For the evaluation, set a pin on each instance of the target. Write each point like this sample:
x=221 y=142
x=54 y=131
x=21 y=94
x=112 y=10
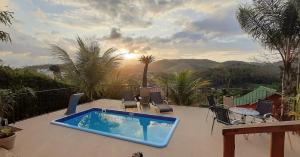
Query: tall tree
x=6 y=18
x=90 y=67
x=276 y=25
x=146 y=60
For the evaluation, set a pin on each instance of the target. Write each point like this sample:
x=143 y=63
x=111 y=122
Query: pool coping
x=153 y=144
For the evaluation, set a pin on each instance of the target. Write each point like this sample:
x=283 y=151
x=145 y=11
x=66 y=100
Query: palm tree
x=89 y=68
x=276 y=25
x=183 y=87
x=146 y=60
x=6 y=19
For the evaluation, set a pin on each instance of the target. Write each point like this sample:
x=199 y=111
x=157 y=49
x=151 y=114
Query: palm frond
x=91 y=67
x=5 y=37
x=6 y=17
x=62 y=55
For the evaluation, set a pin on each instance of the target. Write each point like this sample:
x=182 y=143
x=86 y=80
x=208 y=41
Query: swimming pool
x=152 y=130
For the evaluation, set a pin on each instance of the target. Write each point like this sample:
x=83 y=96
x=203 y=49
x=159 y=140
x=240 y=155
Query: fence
x=28 y=105
x=47 y=101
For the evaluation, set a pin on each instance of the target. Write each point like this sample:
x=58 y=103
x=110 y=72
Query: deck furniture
x=211 y=105
x=158 y=103
x=244 y=112
x=222 y=116
x=74 y=99
x=145 y=103
x=129 y=100
x=264 y=107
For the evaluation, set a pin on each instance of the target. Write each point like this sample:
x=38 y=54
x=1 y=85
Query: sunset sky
x=167 y=29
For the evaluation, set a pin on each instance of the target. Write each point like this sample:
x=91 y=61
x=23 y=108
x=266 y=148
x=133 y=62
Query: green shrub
x=19 y=78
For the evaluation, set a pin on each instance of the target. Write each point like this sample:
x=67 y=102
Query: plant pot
x=8 y=142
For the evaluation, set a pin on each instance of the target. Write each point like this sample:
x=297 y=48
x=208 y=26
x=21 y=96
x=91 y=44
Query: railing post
x=277 y=144
x=229 y=145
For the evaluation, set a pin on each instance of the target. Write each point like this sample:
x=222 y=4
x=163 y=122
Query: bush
x=19 y=78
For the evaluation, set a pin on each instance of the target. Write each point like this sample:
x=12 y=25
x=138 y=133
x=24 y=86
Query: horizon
x=195 y=30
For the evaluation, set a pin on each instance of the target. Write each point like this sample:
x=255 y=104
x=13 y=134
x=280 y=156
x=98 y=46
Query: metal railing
x=28 y=105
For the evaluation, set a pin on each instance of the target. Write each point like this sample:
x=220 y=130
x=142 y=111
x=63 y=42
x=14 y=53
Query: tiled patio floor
x=191 y=138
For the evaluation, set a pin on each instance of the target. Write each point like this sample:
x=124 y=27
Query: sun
x=127 y=55
x=130 y=56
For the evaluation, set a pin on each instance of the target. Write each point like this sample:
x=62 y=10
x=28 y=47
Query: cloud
x=123 y=13
x=163 y=28
x=115 y=33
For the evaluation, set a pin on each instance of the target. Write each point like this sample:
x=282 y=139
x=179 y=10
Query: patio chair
x=222 y=116
x=129 y=100
x=211 y=105
x=74 y=99
x=159 y=104
x=264 y=107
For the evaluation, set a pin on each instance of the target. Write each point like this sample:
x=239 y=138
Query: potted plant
x=6 y=105
x=7 y=138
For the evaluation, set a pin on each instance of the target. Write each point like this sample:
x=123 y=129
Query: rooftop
x=191 y=138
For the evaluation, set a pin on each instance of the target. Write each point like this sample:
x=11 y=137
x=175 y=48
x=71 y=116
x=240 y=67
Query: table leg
x=243 y=119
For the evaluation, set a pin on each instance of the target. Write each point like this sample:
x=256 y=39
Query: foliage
x=17 y=89
x=295 y=102
x=146 y=60
x=6 y=103
x=239 y=76
x=6 y=19
x=114 y=87
x=90 y=67
x=56 y=71
x=6 y=132
x=183 y=86
x=275 y=24
x=19 y=78
x=9 y=101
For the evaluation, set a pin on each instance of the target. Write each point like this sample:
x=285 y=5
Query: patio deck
x=191 y=138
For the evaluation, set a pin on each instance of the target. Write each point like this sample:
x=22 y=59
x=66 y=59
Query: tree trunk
x=287 y=89
x=144 y=84
x=298 y=71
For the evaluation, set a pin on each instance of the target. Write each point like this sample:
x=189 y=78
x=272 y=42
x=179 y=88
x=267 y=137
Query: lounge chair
x=222 y=116
x=264 y=107
x=159 y=104
x=129 y=100
x=74 y=99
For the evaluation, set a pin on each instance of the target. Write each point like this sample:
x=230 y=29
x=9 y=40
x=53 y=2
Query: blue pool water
x=146 y=129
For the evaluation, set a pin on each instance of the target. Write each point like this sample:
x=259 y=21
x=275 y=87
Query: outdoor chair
x=159 y=104
x=222 y=116
x=74 y=99
x=264 y=107
x=129 y=100
x=211 y=104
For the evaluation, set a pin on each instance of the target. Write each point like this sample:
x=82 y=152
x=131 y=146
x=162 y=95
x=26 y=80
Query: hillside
x=176 y=65
x=197 y=65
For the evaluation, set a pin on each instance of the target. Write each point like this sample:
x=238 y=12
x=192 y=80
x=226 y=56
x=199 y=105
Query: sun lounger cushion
x=130 y=104
x=164 y=108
